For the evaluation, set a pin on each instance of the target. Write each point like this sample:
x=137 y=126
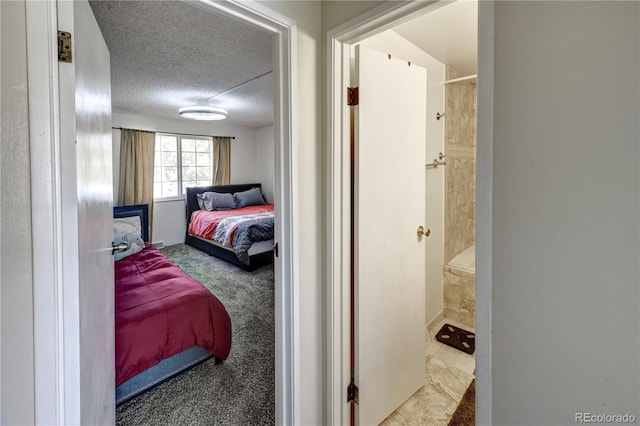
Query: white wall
x=306 y=178
x=169 y=217
x=265 y=160
x=393 y=43
x=566 y=300
x=16 y=276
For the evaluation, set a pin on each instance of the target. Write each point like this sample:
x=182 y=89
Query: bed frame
x=191 y=199
x=169 y=367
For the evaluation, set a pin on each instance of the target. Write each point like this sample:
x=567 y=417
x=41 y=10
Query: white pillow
x=127 y=224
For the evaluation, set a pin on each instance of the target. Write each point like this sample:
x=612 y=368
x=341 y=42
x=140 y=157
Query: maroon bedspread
x=161 y=311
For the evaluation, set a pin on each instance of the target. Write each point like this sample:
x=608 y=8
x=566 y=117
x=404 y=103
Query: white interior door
x=87 y=203
x=390 y=257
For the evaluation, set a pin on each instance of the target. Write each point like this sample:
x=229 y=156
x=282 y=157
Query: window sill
x=168 y=200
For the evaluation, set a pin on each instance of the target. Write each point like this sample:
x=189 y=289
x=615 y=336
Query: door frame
x=339 y=41
x=46 y=217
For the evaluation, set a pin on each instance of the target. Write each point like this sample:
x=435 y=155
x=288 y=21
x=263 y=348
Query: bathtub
x=465 y=261
x=459 y=288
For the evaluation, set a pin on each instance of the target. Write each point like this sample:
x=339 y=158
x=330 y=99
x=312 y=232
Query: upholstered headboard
x=141 y=210
x=192 y=200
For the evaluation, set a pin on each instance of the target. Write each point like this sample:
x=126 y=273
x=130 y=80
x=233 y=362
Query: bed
x=254 y=234
x=165 y=320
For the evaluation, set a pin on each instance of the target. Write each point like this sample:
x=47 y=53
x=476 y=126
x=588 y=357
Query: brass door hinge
x=352 y=96
x=64 y=46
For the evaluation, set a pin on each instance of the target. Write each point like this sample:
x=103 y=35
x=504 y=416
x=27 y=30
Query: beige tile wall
x=460 y=171
x=460 y=196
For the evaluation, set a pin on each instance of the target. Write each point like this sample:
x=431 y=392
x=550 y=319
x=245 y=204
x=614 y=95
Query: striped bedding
x=236 y=229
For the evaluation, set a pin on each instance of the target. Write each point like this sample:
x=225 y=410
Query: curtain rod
x=174 y=133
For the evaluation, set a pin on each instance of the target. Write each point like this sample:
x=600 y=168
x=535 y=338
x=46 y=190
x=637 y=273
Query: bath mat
x=457 y=338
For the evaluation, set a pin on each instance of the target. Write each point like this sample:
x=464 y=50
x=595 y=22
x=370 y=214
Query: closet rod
x=173 y=133
x=455 y=80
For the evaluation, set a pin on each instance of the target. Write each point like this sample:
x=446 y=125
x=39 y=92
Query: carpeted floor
x=465 y=414
x=241 y=390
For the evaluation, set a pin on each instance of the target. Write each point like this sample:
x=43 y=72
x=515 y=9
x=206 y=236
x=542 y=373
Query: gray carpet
x=241 y=390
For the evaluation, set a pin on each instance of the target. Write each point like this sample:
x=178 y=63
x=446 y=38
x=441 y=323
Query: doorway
x=341 y=39
x=42 y=21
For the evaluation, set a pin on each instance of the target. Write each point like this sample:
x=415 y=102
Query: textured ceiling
x=169 y=54
x=449 y=34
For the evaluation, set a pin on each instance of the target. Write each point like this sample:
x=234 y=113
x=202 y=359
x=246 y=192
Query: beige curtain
x=137 y=150
x=221 y=160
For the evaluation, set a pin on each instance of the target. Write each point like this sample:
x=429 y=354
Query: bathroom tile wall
x=460 y=171
x=459 y=296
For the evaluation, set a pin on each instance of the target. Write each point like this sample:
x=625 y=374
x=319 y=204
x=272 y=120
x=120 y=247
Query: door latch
x=118 y=247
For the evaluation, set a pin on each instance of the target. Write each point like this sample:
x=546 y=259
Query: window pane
x=188 y=145
x=169 y=159
x=202 y=160
x=189 y=173
x=170 y=189
x=170 y=174
x=203 y=145
x=169 y=143
x=188 y=158
x=166 y=161
x=203 y=173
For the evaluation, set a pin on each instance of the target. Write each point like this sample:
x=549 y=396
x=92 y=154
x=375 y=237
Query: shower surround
x=460 y=199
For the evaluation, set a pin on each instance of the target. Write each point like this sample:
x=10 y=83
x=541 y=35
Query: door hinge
x=275 y=249
x=352 y=392
x=352 y=96
x=64 y=46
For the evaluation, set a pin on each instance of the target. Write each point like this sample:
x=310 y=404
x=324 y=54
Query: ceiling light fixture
x=204 y=111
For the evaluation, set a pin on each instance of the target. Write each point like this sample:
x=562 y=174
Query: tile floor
x=448 y=374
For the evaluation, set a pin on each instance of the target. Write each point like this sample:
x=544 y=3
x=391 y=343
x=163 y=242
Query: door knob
x=422 y=231
x=118 y=247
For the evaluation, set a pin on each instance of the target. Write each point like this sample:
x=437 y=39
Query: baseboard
x=431 y=329
x=434 y=325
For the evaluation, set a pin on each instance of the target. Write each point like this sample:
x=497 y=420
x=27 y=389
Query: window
x=180 y=162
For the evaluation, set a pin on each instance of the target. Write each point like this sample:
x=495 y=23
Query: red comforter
x=161 y=311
